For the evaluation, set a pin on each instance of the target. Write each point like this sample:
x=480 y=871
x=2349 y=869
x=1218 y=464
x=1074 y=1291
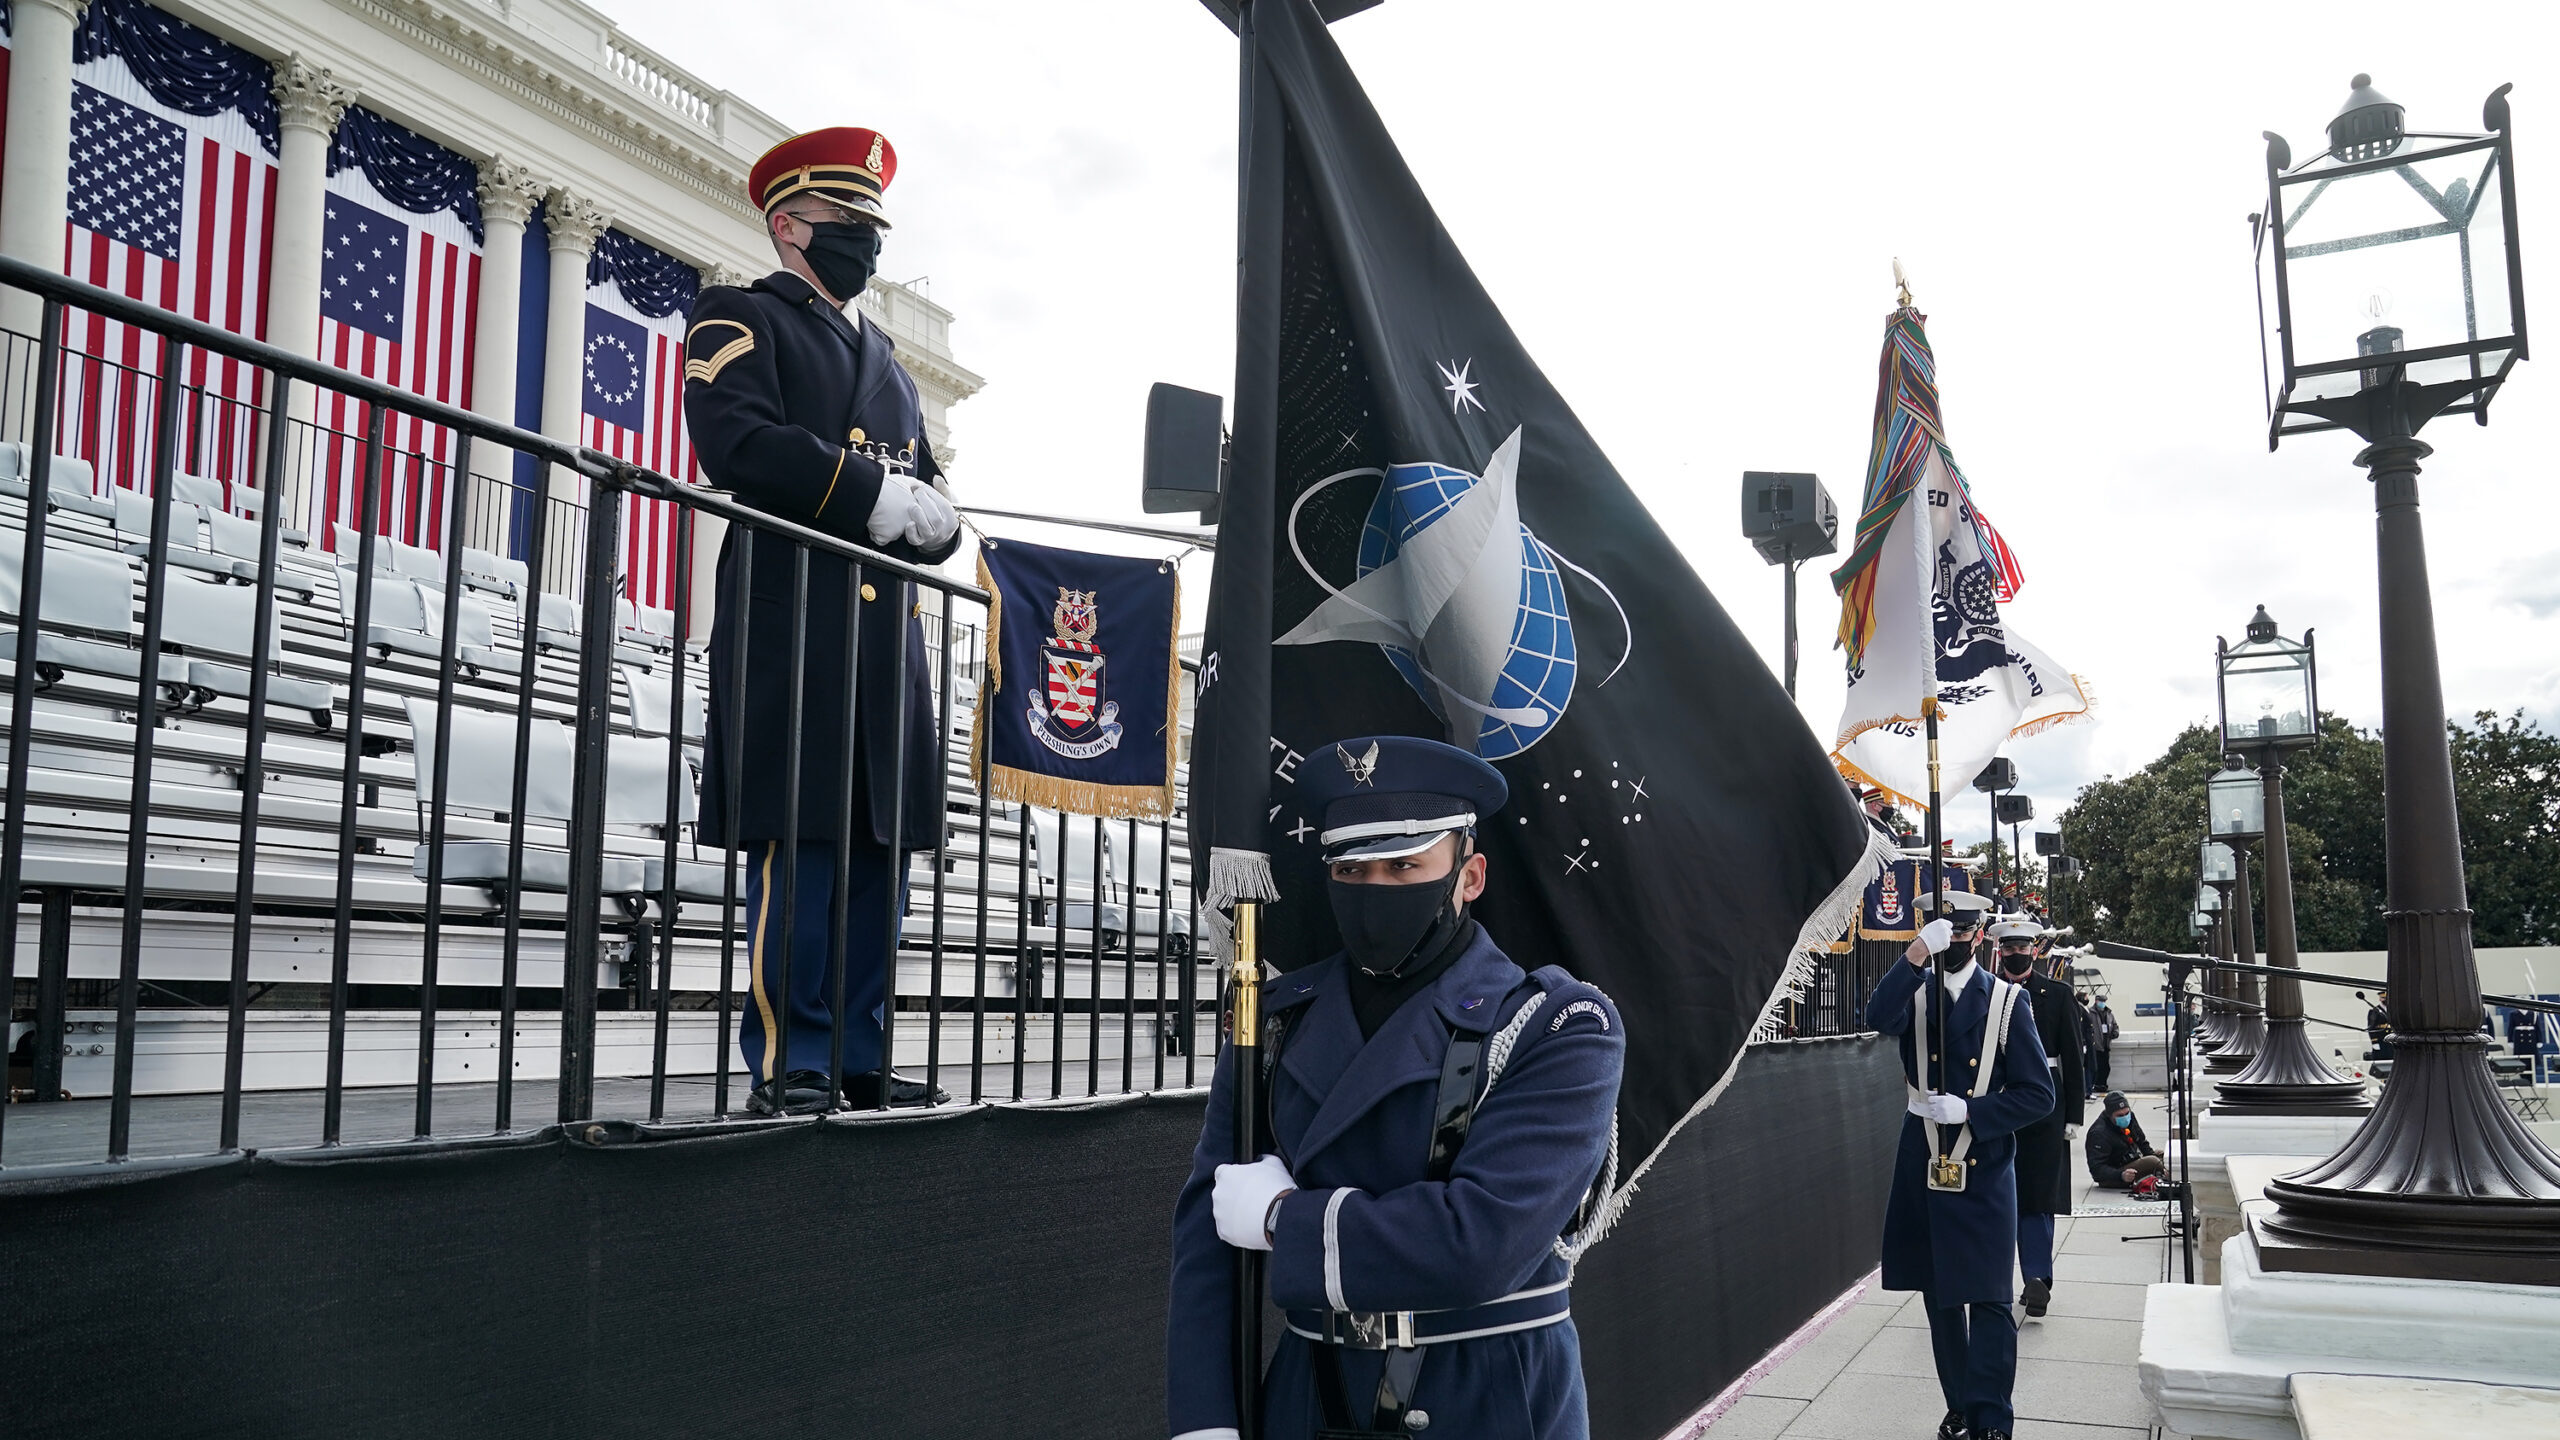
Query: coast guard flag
x=1920 y=601
x=1083 y=683
x=1419 y=538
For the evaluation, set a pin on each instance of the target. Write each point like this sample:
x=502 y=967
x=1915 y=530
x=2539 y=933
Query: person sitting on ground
x=2120 y=1155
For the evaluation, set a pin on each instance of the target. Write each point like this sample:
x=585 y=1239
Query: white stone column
x=309 y=103
x=508 y=193
x=35 y=174
x=575 y=224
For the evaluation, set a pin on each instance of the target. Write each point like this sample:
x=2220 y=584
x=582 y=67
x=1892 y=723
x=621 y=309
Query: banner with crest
x=1084 y=681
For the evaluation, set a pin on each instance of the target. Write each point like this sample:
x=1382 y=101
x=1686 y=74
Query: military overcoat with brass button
x=803 y=413
x=1958 y=1245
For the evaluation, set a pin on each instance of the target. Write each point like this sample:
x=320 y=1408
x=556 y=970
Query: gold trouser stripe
x=709 y=367
x=755 y=963
x=831 y=487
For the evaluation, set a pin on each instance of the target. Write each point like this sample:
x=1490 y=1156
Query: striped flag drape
x=399 y=285
x=172 y=201
x=633 y=394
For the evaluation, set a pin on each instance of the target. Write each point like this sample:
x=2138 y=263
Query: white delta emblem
x=1467 y=604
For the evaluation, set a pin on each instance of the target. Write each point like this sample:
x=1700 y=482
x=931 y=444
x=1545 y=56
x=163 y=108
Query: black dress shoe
x=863 y=1091
x=2038 y=1294
x=1952 y=1428
x=802 y=1092
x=1990 y=1435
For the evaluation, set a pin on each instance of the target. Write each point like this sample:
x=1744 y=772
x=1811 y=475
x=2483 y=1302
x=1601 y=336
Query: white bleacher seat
x=221 y=621
x=658 y=627
x=86 y=590
x=1066 y=866
x=133 y=528
x=398 y=619
x=351 y=543
x=414 y=561
x=649 y=704
x=485 y=571
x=73 y=484
x=556 y=623
x=480 y=776
x=236 y=538
x=198 y=490
x=477 y=643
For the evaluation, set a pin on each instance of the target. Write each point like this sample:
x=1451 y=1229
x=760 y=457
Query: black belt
x=1405 y=1336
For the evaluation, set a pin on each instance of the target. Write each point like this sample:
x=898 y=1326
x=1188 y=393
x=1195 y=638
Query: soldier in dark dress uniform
x=2046 y=1176
x=1425 y=1271
x=796 y=403
x=1973 y=1066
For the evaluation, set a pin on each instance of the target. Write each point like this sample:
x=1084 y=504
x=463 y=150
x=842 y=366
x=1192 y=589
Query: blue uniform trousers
x=811 y=998
x=1977 y=1352
x=2035 y=1246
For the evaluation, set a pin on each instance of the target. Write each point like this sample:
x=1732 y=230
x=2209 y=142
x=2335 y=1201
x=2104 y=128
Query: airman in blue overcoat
x=1426 y=1277
x=797 y=403
x=1951 y=1225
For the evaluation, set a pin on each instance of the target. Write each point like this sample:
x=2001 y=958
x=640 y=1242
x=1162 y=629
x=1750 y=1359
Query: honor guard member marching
x=1442 y=1121
x=1975 y=1071
x=2046 y=1176
x=796 y=403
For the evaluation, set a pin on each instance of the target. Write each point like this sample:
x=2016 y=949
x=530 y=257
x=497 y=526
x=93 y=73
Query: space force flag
x=1920 y=601
x=1083 y=681
x=1418 y=537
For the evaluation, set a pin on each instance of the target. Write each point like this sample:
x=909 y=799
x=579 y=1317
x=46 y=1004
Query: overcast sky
x=1689 y=213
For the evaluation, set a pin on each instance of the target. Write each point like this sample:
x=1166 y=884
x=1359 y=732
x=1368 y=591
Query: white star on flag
x=1462 y=391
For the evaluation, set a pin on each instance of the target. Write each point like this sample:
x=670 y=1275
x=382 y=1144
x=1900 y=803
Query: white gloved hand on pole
x=893 y=513
x=1947 y=1109
x=932 y=520
x=1938 y=935
x=1242 y=1200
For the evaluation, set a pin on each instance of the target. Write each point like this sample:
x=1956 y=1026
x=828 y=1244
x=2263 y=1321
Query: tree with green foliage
x=2137 y=836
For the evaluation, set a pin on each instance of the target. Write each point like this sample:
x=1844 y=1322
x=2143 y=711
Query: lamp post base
x=2248 y=1035
x=2442 y=1183
x=2288 y=1077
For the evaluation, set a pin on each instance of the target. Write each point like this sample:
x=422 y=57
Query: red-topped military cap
x=845 y=163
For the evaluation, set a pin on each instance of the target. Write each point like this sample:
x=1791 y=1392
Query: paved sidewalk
x=1868 y=1374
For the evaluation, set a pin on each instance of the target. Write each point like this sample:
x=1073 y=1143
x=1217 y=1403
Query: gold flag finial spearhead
x=1901 y=283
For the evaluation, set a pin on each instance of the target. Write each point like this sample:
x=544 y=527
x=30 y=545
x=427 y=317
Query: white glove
x=1937 y=935
x=1243 y=1197
x=893 y=513
x=1947 y=1109
x=932 y=520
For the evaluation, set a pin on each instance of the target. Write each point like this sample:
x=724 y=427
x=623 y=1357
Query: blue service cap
x=1381 y=796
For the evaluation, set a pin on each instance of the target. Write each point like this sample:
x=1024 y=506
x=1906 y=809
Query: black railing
x=359 y=842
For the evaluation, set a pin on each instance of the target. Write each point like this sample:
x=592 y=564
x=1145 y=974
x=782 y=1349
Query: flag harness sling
x=1947 y=1165
x=1463 y=1088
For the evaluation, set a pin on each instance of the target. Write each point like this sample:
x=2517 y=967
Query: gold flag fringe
x=1057 y=792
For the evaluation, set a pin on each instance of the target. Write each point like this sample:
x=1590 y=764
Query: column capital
x=723 y=275
x=508 y=191
x=72 y=9
x=310 y=97
x=576 y=222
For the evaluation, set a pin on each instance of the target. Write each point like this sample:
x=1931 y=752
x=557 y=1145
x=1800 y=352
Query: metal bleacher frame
x=412 y=770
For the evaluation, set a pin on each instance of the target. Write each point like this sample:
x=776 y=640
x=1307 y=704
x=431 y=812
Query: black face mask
x=843 y=255
x=2017 y=967
x=1388 y=927
x=1956 y=956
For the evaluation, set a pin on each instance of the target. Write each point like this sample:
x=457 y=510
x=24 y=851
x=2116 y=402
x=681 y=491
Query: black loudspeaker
x=2048 y=842
x=2065 y=866
x=2013 y=809
x=2000 y=774
x=1186 y=465
x=1785 y=514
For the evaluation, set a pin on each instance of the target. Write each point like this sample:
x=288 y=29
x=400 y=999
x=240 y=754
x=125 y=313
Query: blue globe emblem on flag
x=1465 y=600
x=1537 y=670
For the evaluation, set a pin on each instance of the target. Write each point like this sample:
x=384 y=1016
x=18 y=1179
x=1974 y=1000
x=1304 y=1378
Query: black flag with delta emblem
x=1418 y=537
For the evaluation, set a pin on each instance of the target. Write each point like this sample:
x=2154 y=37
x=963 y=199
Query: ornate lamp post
x=2399 y=296
x=2270 y=689
x=2235 y=815
x=2213 y=897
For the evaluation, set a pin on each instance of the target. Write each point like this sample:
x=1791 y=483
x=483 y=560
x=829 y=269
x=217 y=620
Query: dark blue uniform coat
x=1958 y=1246
x=1357 y=1117
x=801 y=412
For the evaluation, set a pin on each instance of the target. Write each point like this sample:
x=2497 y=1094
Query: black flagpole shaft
x=1245 y=1039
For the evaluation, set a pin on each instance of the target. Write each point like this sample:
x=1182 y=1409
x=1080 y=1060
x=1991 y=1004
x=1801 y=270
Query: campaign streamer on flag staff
x=1920 y=598
x=1084 y=681
x=1450 y=555
x=172 y=201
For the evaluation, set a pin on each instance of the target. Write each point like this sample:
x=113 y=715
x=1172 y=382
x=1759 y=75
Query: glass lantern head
x=2270 y=688
x=2198 y=922
x=2208 y=899
x=2218 y=863
x=2236 y=805
x=2388 y=243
